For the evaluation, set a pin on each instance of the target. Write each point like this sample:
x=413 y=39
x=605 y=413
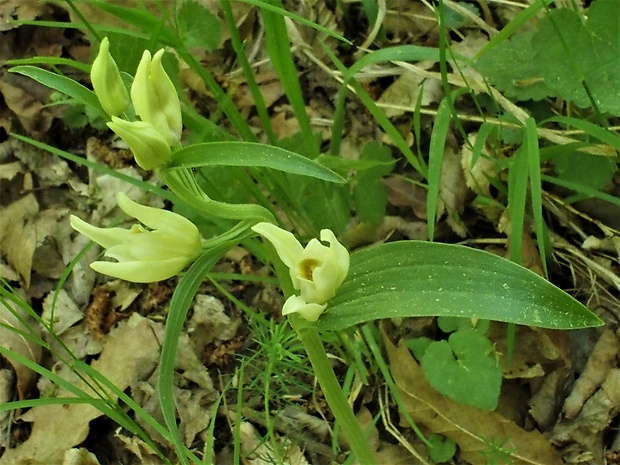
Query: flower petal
x=107 y=82
x=308 y=311
x=340 y=254
x=287 y=246
x=157 y=218
x=148 y=146
x=105 y=237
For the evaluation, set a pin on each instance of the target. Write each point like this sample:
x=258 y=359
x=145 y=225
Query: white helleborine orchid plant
x=143 y=255
x=316 y=271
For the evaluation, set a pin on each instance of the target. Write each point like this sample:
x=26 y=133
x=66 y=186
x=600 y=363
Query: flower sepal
x=148 y=146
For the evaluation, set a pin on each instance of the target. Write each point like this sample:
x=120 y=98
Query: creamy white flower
x=143 y=255
x=148 y=146
x=155 y=99
x=316 y=271
x=107 y=82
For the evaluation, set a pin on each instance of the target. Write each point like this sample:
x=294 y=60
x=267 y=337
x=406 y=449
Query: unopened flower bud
x=107 y=82
x=155 y=99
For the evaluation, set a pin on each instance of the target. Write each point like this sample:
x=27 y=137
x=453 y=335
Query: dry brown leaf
x=60 y=310
x=477 y=175
x=17 y=235
x=404 y=92
x=601 y=361
x=544 y=407
x=23 y=10
x=583 y=438
x=453 y=190
x=537 y=351
x=7 y=394
x=24 y=98
x=129 y=349
x=80 y=456
x=470 y=428
x=209 y=323
x=404 y=193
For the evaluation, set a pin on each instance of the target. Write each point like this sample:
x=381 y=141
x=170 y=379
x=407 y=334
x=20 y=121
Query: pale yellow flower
x=316 y=271
x=144 y=255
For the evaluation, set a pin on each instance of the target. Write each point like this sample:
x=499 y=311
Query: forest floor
x=560 y=397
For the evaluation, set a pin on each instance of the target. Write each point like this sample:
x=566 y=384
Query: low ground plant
x=229 y=187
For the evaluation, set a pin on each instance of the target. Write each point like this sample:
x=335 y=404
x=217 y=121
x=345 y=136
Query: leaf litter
x=37 y=191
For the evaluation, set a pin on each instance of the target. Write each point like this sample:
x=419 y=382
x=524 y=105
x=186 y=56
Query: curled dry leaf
x=583 y=438
x=453 y=190
x=17 y=236
x=601 y=362
x=16 y=319
x=472 y=429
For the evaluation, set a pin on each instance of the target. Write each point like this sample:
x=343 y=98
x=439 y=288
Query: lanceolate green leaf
x=412 y=278
x=62 y=84
x=250 y=154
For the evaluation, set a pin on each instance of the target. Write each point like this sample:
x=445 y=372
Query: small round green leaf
x=465 y=369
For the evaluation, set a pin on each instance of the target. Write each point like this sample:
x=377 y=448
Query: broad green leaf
x=413 y=278
x=578 y=53
x=510 y=67
x=589 y=170
x=198 y=27
x=369 y=193
x=250 y=154
x=579 y=56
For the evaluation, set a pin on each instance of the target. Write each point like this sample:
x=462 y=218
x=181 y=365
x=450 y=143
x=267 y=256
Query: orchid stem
x=337 y=401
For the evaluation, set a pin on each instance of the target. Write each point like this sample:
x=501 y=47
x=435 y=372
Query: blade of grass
x=371 y=341
x=300 y=19
x=602 y=134
x=435 y=159
x=179 y=306
x=257 y=95
x=588 y=191
x=514 y=25
x=103 y=169
x=533 y=156
x=53 y=61
x=517 y=199
x=279 y=50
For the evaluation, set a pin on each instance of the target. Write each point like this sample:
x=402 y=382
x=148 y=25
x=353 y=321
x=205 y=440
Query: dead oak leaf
x=17 y=236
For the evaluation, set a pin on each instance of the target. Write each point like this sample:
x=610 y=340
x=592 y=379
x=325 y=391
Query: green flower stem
x=310 y=338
